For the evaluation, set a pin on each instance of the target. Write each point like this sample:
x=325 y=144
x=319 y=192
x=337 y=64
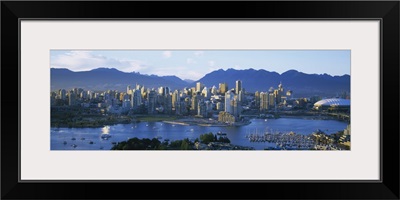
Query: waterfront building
x=226 y=117
x=335 y=104
x=236 y=107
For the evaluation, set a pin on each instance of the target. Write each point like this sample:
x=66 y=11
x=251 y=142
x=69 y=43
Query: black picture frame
x=386 y=11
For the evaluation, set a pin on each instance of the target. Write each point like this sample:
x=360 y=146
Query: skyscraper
x=199 y=87
x=136 y=98
x=71 y=98
x=175 y=99
x=257 y=99
x=228 y=98
x=152 y=97
x=223 y=88
x=128 y=89
x=238 y=86
x=264 y=100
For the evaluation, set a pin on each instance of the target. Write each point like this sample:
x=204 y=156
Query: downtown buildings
x=198 y=101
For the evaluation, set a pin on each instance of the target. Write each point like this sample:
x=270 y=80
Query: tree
x=207 y=138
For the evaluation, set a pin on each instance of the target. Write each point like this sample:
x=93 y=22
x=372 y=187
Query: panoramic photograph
x=107 y=100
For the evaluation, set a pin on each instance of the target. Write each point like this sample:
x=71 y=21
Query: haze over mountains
x=253 y=80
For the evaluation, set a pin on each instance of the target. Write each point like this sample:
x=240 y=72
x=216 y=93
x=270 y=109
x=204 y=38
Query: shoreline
x=185 y=123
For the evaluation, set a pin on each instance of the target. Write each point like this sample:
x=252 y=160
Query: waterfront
x=90 y=138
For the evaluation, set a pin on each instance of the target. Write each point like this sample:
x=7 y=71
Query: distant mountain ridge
x=109 y=79
x=300 y=83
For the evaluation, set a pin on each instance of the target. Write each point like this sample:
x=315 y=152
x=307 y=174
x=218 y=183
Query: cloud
x=87 y=60
x=211 y=63
x=198 y=53
x=190 y=61
x=167 y=54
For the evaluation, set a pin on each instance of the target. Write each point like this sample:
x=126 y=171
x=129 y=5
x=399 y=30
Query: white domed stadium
x=333 y=104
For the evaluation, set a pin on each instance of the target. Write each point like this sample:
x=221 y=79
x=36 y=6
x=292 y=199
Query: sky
x=193 y=64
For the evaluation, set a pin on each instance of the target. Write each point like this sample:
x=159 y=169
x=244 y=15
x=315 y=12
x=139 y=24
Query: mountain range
x=301 y=84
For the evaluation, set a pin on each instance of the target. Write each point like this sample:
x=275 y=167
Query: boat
x=105 y=136
x=83 y=138
x=91 y=142
x=113 y=142
x=73 y=138
x=266 y=120
x=74 y=145
x=221 y=133
x=65 y=142
x=158 y=137
x=101 y=147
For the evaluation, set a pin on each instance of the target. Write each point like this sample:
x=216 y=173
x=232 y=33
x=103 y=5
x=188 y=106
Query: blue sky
x=188 y=64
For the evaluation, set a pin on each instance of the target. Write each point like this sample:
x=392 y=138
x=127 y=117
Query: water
x=122 y=132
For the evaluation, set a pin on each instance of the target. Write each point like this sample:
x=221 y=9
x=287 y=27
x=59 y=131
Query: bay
x=90 y=138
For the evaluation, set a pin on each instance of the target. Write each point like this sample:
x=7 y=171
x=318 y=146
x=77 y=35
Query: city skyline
x=188 y=64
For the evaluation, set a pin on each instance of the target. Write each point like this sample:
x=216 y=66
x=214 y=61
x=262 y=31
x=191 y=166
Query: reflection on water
x=104 y=138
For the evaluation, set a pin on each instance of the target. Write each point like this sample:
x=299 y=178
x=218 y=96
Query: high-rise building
x=205 y=93
x=62 y=94
x=214 y=90
x=228 y=98
x=289 y=94
x=257 y=99
x=175 y=99
x=128 y=89
x=236 y=107
x=152 y=97
x=161 y=91
x=264 y=100
x=199 y=87
x=71 y=98
x=195 y=100
x=238 y=86
x=223 y=88
x=202 y=109
x=271 y=100
x=136 y=98
x=220 y=106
